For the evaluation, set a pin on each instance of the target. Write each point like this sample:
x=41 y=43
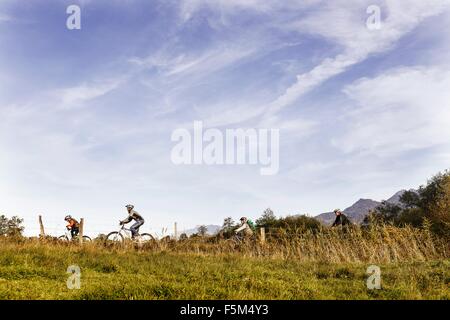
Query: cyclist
x=341 y=219
x=245 y=228
x=133 y=215
x=73 y=225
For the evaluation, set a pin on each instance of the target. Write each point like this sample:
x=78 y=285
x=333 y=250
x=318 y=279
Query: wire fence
x=57 y=227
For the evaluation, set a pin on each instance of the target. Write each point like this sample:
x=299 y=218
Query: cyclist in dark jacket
x=341 y=219
x=133 y=215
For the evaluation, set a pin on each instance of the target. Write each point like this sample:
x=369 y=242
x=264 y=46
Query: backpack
x=251 y=225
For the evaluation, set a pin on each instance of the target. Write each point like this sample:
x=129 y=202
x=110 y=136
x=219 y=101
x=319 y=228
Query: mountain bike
x=240 y=239
x=125 y=234
x=68 y=237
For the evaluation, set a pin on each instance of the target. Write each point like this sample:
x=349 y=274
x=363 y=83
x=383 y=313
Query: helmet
x=129 y=206
x=68 y=217
x=337 y=210
x=243 y=219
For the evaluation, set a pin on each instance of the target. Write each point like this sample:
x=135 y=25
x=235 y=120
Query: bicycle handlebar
x=123 y=228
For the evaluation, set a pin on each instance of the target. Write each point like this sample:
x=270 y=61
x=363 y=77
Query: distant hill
x=356 y=213
x=359 y=210
x=211 y=229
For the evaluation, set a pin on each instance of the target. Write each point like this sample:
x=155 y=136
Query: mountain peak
x=362 y=200
x=395 y=199
x=360 y=209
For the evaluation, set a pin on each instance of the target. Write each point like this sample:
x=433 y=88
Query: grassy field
x=200 y=270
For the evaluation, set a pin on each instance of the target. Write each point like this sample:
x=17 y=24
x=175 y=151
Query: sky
x=87 y=114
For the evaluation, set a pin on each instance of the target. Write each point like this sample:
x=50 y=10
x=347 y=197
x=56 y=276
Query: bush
x=298 y=222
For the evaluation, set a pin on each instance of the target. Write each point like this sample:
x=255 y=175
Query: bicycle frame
x=238 y=237
x=125 y=232
x=68 y=234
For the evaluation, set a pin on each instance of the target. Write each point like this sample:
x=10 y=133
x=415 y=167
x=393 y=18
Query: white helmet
x=129 y=206
x=68 y=217
x=243 y=219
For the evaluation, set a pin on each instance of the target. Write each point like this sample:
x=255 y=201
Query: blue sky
x=87 y=115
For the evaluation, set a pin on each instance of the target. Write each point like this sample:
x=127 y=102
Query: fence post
x=80 y=234
x=41 y=227
x=175 y=231
x=263 y=234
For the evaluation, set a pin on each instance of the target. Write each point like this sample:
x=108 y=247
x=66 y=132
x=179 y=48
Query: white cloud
x=77 y=95
x=403 y=109
x=195 y=65
x=344 y=22
x=189 y=7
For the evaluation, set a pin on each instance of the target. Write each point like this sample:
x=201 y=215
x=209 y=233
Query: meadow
x=305 y=265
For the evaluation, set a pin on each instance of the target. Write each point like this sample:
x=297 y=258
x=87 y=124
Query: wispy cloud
x=400 y=110
x=194 y=65
x=346 y=26
x=76 y=96
x=189 y=7
x=232 y=7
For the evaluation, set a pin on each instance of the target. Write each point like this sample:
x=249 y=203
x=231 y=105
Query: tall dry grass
x=381 y=244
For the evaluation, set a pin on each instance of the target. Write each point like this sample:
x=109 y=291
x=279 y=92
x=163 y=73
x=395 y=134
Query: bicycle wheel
x=114 y=237
x=87 y=239
x=147 y=237
x=63 y=238
x=238 y=239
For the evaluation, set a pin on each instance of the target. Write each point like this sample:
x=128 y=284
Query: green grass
x=38 y=271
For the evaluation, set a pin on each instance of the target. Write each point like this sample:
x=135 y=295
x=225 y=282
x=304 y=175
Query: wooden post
x=41 y=227
x=175 y=231
x=80 y=234
x=263 y=234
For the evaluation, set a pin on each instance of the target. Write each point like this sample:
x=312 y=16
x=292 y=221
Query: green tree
x=268 y=219
x=410 y=199
x=435 y=202
x=226 y=231
x=228 y=224
x=430 y=203
x=11 y=227
x=385 y=213
x=202 y=230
